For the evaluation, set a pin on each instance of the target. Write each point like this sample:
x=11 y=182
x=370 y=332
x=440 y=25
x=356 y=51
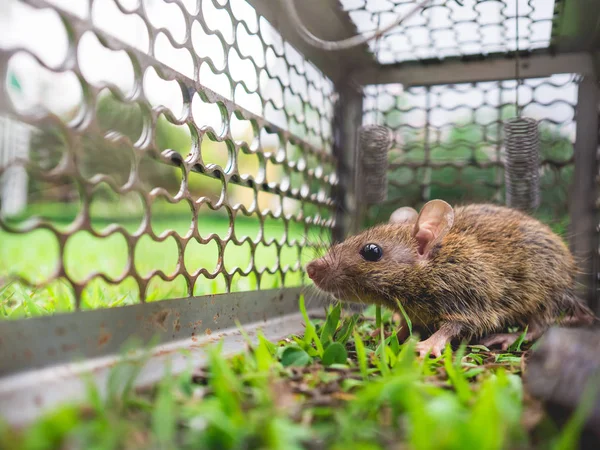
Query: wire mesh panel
x=450 y=144
x=448 y=28
x=180 y=148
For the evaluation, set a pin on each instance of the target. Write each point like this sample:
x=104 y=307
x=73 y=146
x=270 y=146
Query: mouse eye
x=371 y=252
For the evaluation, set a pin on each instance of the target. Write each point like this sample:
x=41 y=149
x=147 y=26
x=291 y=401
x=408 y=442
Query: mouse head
x=381 y=262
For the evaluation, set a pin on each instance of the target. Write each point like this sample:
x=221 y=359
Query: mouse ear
x=404 y=215
x=434 y=221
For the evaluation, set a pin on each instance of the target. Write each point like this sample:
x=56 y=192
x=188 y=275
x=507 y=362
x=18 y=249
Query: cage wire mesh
x=449 y=140
x=179 y=148
x=447 y=28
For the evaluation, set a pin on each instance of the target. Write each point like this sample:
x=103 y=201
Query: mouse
x=469 y=272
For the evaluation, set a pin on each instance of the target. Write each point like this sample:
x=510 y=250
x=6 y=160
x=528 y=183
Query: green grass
x=339 y=386
x=34 y=256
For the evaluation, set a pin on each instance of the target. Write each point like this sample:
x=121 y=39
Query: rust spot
x=60 y=331
x=103 y=338
x=215 y=317
x=51 y=352
x=176 y=325
x=68 y=347
x=163 y=353
x=208 y=331
x=194 y=338
x=120 y=323
x=195 y=324
x=28 y=354
x=139 y=317
x=212 y=301
x=160 y=318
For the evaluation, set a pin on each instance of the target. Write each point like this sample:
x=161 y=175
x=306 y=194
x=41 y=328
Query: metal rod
x=492 y=68
x=347 y=120
x=353 y=41
x=583 y=195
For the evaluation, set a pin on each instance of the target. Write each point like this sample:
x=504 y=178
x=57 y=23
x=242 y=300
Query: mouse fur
x=465 y=272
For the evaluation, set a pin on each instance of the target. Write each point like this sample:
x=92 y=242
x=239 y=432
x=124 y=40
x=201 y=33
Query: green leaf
x=263 y=354
x=53 y=429
x=350 y=383
x=456 y=377
x=243 y=333
x=473 y=372
x=393 y=343
x=475 y=357
x=509 y=358
x=331 y=323
x=406 y=318
x=310 y=334
x=361 y=355
x=335 y=354
x=516 y=346
x=346 y=330
x=383 y=361
x=378 y=316
x=479 y=347
x=164 y=416
x=294 y=356
x=391 y=356
x=303 y=345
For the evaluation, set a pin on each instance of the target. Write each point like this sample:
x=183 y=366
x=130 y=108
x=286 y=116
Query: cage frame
x=35 y=378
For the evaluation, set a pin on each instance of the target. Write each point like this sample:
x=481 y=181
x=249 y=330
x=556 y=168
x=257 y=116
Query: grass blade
x=331 y=323
x=310 y=334
x=406 y=318
x=361 y=355
x=516 y=346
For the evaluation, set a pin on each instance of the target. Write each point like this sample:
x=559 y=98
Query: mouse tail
x=576 y=313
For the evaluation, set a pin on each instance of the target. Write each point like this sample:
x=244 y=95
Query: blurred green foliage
x=475 y=147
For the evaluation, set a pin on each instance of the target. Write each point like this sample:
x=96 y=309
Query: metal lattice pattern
x=447 y=28
x=450 y=143
x=254 y=121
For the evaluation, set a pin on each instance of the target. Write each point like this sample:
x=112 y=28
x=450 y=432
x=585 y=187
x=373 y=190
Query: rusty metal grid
x=446 y=28
x=285 y=99
x=449 y=140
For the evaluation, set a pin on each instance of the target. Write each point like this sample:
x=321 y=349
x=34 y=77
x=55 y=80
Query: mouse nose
x=315 y=270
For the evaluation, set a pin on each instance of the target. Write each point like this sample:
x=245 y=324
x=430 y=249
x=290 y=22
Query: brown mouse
x=465 y=272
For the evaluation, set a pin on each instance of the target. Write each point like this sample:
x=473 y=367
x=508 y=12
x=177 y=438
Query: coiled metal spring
x=374 y=142
x=522 y=164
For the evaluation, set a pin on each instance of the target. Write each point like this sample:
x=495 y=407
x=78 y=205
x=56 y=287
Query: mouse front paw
x=434 y=347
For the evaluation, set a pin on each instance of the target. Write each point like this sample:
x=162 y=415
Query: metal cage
x=218 y=113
